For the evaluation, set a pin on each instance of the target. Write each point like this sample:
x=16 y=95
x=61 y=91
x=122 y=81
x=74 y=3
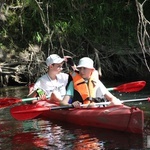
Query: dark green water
x=42 y=134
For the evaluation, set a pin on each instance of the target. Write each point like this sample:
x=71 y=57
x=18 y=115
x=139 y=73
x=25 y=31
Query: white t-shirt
x=48 y=85
x=101 y=89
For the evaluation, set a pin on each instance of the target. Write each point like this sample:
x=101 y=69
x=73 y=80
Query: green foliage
x=100 y=21
x=77 y=26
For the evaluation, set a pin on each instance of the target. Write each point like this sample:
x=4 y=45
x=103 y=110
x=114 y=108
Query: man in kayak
x=85 y=87
x=53 y=80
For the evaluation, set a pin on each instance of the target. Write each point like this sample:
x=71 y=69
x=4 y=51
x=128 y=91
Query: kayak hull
x=121 y=117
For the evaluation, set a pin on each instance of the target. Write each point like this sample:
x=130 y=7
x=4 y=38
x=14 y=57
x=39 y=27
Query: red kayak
x=121 y=117
x=118 y=117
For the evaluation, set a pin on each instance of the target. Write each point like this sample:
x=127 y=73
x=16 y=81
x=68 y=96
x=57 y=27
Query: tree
x=143 y=30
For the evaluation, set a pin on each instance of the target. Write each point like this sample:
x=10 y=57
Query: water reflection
x=55 y=135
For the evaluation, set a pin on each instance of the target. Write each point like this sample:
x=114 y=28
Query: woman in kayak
x=85 y=87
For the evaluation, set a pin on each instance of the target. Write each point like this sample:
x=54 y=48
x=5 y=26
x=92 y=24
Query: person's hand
x=92 y=105
x=69 y=60
x=77 y=104
x=115 y=102
x=41 y=94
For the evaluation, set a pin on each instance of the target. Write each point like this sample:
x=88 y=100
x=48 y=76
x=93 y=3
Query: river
x=40 y=134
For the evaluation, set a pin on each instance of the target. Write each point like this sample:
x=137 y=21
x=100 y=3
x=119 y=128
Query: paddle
x=31 y=111
x=127 y=87
x=26 y=112
x=8 y=101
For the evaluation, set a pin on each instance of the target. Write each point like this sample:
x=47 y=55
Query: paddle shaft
x=125 y=101
x=101 y=103
x=33 y=98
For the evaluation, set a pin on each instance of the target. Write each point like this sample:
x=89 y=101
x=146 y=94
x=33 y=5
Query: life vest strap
x=97 y=100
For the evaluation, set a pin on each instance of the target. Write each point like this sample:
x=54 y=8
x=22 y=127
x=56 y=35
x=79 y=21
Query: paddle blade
x=131 y=87
x=8 y=101
x=27 y=112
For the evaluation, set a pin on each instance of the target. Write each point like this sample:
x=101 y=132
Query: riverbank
x=22 y=68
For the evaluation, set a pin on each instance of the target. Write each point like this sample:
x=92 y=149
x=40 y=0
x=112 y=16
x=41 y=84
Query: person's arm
x=65 y=100
x=67 y=97
x=37 y=93
x=70 y=62
x=69 y=94
x=103 y=92
x=113 y=100
x=34 y=91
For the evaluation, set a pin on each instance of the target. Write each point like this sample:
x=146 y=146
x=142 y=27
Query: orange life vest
x=83 y=91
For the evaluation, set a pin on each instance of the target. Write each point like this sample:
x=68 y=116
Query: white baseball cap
x=54 y=59
x=86 y=62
